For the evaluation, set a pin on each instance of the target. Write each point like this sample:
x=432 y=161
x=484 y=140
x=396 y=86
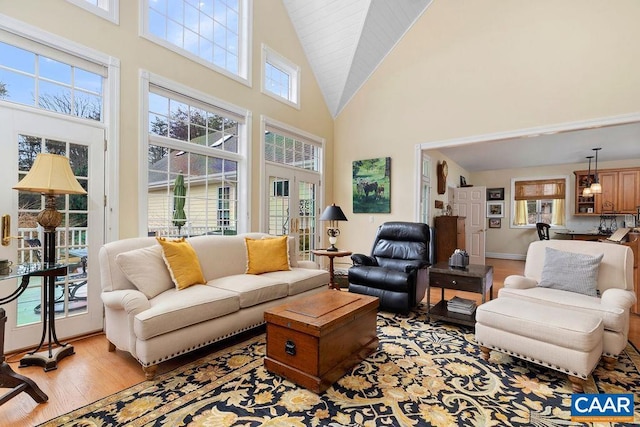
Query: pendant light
x=596 y=188
x=586 y=192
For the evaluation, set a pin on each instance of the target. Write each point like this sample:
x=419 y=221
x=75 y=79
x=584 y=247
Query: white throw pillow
x=570 y=271
x=146 y=269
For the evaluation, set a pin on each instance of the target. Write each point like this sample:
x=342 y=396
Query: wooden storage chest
x=315 y=340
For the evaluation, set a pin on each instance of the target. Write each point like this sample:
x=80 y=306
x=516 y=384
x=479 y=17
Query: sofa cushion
x=301 y=279
x=251 y=289
x=265 y=255
x=182 y=262
x=146 y=269
x=171 y=311
x=570 y=271
x=613 y=318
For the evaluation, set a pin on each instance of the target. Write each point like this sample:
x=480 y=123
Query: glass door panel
x=292 y=207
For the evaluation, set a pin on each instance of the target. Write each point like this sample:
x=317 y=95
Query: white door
x=425 y=189
x=470 y=203
x=78 y=308
x=292 y=206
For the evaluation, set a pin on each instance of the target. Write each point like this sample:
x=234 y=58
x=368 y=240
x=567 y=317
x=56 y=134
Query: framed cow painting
x=372 y=185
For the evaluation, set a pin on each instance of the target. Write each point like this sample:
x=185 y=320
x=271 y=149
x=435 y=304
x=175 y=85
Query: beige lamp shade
x=596 y=188
x=50 y=174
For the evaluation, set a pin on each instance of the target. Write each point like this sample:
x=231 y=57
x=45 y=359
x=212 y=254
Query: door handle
x=6 y=230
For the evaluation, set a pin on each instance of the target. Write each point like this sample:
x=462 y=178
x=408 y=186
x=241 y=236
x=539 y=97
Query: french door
x=292 y=206
x=78 y=308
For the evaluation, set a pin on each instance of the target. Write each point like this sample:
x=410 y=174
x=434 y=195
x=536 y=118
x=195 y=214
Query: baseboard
x=517 y=257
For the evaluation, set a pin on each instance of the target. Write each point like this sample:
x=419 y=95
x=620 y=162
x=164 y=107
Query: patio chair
x=73 y=287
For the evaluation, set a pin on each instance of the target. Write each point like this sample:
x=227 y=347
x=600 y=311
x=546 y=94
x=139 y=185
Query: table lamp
x=50 y=175
x=333 y=214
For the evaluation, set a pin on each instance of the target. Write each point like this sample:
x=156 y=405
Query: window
x=224 y=210
x=280 y=188
x=293 y=175
x=539 y=200
x=289 y=150
x=213 y=32
x=281 y=78
x=194 y=154
x=107 y=9
x=42 y=77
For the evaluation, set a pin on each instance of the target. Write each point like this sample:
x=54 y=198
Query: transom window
x=284 y=149
x=50 y=83
x=281 y=77
x=107 y=9
x=191 y=122
x=212 y=31
x=539 y=200
x=193 y=164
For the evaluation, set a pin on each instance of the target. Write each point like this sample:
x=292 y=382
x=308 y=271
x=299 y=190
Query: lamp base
x=332 y=248
x=42 y=358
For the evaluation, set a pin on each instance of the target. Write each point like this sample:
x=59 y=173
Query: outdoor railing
x=67 y=239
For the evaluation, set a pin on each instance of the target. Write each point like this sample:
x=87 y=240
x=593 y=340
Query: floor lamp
x=50 y=175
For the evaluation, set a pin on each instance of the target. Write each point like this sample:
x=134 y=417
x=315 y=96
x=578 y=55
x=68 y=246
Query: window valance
x=540 y=189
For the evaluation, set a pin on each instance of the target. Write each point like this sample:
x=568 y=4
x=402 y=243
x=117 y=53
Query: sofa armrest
x=361 y=259
x=618 y=298
x=129 y=300
x=519 y=282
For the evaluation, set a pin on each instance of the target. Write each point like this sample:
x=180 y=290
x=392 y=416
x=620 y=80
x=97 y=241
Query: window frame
x=84 y=61
x=106 y=9
x=271 y=57
x=242 y=157
x=244 y=42
x=567 y=199
x=268 y=124
x=223 y=213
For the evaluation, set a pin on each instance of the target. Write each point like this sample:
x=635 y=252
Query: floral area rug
x=422 y=375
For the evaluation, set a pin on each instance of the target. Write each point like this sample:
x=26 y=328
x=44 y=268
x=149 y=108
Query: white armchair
x=614 y=286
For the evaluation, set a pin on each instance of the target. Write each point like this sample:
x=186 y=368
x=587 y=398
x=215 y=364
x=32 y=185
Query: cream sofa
x=155 y=322
x=614 y=285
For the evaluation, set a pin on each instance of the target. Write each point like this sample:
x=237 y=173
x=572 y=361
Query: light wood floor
x=93 y=373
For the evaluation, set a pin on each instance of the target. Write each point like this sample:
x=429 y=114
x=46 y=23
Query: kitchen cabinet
x=633 y=241
x=620 y=192
x=628 y=190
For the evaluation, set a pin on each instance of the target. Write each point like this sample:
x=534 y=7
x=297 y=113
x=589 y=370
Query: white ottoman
x=565 y=340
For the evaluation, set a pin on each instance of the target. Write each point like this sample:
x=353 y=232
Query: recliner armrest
x=361 y=259
x=519 y=282
x=618 y=298
x=410 y=267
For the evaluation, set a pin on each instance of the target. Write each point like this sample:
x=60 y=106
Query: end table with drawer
x=473 y=278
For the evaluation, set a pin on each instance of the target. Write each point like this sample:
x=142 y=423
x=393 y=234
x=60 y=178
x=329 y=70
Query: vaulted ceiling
x=346 y=40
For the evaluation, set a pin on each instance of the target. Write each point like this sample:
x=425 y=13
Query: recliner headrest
x=404 y=231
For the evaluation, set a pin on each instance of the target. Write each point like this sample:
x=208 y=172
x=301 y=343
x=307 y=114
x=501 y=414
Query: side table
x=331 y=255
x=8 y=378
x=473 y=278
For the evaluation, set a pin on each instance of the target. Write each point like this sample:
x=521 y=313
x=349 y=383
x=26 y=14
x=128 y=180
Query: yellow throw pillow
x=182 y=262
x=265 y=255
